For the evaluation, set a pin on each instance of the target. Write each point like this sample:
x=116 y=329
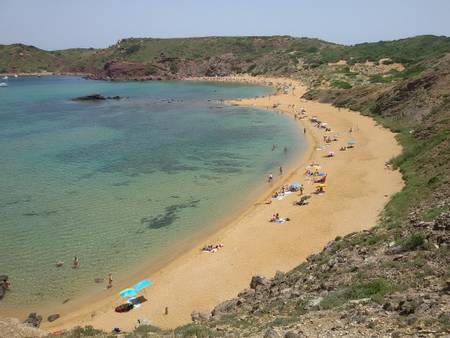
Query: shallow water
x=118 y=183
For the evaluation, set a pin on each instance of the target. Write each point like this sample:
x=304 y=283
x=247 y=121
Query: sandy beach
x=358 y=187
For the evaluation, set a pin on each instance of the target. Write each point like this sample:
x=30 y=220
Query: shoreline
x=198 y=281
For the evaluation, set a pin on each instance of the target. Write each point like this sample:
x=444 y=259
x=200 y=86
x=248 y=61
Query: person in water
x=281 y=170
x=270 y=178
x=76 y=262
x=110 y=281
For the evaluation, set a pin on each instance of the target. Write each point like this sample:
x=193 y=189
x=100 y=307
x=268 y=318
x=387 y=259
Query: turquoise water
x=120 y=183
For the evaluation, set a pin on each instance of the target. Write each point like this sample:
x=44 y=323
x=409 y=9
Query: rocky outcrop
x=12 y=328
x=33 y=320
x=96 y=97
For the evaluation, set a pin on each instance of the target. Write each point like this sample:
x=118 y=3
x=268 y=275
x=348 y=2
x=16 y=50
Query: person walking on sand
x=76 y=262
x=270 y=178
x=304 y=130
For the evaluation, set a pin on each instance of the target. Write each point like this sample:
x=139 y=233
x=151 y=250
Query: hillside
x=148 y=58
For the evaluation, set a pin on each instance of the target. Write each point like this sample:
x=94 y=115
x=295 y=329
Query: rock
x=92 y=97
x=388 y=307
x=224 y=307
x=259 y=280
x=33 y=320
x=315 y=301
x=53 y=317
x=291 y=334
x=199 y=316
x=271 y=333
x=406 y=307
x=96 y=97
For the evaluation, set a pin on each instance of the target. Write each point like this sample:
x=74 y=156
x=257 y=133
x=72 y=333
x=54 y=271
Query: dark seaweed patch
x=120 y=184
x=169 y=216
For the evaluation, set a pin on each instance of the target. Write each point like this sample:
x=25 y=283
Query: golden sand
x=358 y=187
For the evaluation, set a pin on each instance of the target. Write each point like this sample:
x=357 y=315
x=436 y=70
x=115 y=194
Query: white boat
x=3 y=84
x=5 y=78
x=15 y=75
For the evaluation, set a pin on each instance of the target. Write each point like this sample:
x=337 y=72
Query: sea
x=122 y=184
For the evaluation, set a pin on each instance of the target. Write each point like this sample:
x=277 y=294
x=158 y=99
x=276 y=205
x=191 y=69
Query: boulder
x=92 y=97
x=199 y=316
x=291 y=334
x=259 y=280
x=33 y=320
x=96 y=97
x=224 y=307
x=271 y=333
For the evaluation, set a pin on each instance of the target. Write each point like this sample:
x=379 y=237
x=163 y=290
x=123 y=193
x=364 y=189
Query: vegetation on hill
x=148 y=58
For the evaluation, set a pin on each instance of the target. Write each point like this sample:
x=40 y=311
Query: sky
x=59 y=24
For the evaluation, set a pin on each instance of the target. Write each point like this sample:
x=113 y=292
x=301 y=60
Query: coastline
x=199 y=281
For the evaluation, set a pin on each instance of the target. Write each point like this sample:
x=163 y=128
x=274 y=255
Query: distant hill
x=148 y=58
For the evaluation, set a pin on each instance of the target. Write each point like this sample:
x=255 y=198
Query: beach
x=358 y=187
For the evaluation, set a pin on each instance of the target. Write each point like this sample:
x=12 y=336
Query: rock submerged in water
x=96 y=97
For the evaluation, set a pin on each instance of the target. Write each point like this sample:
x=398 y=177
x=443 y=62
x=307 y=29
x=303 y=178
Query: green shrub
x=413 y=242
x=375 y=290
x=193 y=330
x=341 y=84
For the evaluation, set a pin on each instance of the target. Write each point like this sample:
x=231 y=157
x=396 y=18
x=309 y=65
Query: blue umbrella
x=142 y=285
x=295 y=186
x=128 y=293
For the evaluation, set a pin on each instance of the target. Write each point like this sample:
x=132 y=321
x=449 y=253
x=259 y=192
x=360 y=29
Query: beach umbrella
x=295 y=186
x=142 y=285
x=128 y=293
x=351 y=142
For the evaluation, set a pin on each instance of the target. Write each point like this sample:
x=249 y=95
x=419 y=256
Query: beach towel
x=280 y=197
x=142 y=285
x=136 y=302
x=280 y=221
x=128 y=293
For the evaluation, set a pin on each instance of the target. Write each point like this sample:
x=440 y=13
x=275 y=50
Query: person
x=7 y=284
x=270 y=178
x=301 y=189
x=76 y=262
x=350 y=130
x=281 y=170
x=304 y=130
x=110 y=280
x=273 y=147
x=285 y=150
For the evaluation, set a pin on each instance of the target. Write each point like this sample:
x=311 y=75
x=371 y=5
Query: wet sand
x=358 y=187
